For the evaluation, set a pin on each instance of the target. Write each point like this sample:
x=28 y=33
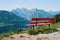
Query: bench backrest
x=43 y=20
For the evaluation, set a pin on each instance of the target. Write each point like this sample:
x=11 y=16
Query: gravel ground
x=51 y=36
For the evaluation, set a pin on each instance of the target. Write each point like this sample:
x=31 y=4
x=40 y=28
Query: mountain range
x=18 y=18
x=9 y=21
x=33 y=13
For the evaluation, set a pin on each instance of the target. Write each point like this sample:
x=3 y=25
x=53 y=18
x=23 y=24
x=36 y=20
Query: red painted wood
x=43 y=19
x=39 y=22
x=34 y=21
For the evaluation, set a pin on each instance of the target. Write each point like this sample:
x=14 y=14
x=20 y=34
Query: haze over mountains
x=18 y=18
x=33 y=13
x=54 y=12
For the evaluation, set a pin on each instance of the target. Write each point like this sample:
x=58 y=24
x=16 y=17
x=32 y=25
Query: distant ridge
x=18 y=18
x=9 y=21
x=28 y=14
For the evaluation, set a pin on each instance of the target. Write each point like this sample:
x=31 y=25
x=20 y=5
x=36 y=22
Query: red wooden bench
x=41 y=21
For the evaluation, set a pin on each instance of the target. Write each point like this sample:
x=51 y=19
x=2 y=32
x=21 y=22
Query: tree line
x=57 y=16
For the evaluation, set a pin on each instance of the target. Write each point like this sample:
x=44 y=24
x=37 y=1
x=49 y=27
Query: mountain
x=34 y=13
x=18 y=18
x=25 y=13
x=9 y=21
x=54 y=12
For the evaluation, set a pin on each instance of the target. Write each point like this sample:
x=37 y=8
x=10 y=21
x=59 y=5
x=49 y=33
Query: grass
x=4 y=35
x=32 y=31
x=57 y=25
x=35 y=31
x=20 y=30
x=45 y=29
x=41 y=30
x=1 y=37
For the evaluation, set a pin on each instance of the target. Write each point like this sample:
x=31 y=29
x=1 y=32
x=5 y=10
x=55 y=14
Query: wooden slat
x=43 y=19
x=39 y=22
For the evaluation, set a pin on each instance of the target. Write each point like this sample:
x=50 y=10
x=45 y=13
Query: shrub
x=4 y=35
x=19 y=31
x=22 y=36
x=1 y=37
x=12 y=37
x=41 y=30
x=53 y=29
x=11 y=33
x=32 y=32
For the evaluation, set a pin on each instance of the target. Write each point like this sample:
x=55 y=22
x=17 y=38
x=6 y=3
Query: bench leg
x=33 y=27
x=49 y=25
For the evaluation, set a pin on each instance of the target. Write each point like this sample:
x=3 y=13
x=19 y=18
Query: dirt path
x=52 y=36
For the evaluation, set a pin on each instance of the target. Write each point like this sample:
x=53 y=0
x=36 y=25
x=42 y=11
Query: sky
x=47 y=5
